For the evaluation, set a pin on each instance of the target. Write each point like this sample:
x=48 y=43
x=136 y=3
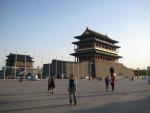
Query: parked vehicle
x=33 y=78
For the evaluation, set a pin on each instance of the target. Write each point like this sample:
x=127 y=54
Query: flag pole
x=83 y=68
x=68 y=66
x=15 y=64
x=5 y=65
x=41 y=65
x=73 y=67
x=49 y=69
x=62 y=68
x=78 y=67
x=33 y=63
x=56 y=68
x=25 y=65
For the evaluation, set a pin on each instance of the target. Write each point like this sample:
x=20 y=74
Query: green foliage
x=142 y=72
x=148 y=72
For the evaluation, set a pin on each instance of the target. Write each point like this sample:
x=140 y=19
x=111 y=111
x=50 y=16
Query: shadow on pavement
x=138 y=106
x=58 y=97
x=33 y=108
x=114 y=93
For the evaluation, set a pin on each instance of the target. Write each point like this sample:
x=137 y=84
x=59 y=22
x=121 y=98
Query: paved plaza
x=32 y=97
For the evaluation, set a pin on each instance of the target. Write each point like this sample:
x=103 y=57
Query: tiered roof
x=20 y=57
x=93 y=52
x=90 y=33
x=92 y=36
x=96 y=40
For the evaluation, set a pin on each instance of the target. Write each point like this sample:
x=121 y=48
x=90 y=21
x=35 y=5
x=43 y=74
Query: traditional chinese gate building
x=101 y=53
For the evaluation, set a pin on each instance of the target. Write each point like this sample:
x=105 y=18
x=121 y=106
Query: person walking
x=20 y=79
x=72 y=90
x=51 y=85
x=113 y=82
x=107 y=83
x=132 y=78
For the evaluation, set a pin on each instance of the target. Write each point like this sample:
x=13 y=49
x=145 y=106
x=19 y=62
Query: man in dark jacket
x=72 y=90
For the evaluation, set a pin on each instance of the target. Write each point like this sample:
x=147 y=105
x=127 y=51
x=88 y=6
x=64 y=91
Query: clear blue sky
x=48 y=26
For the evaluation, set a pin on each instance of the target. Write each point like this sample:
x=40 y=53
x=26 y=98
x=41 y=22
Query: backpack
x=72 y=83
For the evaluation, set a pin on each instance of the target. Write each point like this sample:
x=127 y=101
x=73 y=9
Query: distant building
x=19 y=63
x=62 y=69
x=148 y=68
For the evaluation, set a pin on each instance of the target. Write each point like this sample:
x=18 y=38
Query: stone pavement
x=32 y=97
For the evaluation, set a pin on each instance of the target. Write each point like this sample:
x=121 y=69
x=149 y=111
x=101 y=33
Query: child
x=51 y=84
x=72 y=90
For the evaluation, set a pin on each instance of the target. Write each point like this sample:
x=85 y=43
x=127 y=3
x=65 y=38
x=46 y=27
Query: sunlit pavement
x=32 y=97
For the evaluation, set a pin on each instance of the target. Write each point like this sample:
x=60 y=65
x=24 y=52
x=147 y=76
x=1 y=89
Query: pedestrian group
x=72 y=87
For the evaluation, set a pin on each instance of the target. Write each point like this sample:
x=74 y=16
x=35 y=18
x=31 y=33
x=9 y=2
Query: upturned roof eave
x=92 y=51
x=100 y=35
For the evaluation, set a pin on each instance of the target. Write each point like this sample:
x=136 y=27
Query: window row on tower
x=104 y=47
x=97 y=57
x=99 y=45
